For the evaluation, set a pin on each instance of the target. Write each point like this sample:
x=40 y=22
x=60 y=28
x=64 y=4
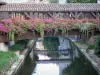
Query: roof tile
x=51 y=7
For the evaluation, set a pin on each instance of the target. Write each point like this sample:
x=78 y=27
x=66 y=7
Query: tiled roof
x=51 y=7
x=2 y=3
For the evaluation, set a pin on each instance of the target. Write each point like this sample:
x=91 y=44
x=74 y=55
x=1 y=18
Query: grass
x=5 y=57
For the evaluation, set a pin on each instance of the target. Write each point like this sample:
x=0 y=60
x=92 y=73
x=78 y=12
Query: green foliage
x=85 y=27
x=56 y=30
x=97 y=45
x=90 y=46
x=51 y=43
x=53 y=1
x=24 y=42
x=16 y=47
x=82 y=1
x=5 y=58
x=25 y=27
x=20 y=45
x=11 y=35
x=40 y=29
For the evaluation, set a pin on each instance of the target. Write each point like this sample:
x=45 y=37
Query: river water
x=57 y=61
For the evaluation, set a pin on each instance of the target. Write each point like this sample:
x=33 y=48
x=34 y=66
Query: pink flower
x=48 y=20
x=7 y=21
x=2 y=27
x=7 y=30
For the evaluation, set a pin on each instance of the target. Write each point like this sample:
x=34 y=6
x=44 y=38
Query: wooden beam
x=72 y=15
x=45 y=15
x=36 y=15
x=26 y=14
x=51 y=15
x=97 y=15
x=67 y=15
x=54 y=15
x=40 y=15
x=31 y=14
x=57 y=15
x=10 y=14
x=94 y=14
x=77 y=14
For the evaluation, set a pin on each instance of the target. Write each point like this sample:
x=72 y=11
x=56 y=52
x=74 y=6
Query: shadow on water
x=79 y=66
x=27 y=67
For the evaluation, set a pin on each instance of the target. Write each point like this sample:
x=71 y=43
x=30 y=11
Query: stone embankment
x=20 y=61
x=90 y=55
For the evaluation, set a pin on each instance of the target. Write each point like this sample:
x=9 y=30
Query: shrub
x=91 y=46
x=17 y=47
x=51 y=43
x=97 y=45
x=20 y=45
x=23 y=42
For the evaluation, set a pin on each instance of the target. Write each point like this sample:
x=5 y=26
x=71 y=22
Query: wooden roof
x=51 y=7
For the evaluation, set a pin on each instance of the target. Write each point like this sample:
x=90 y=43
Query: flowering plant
x=8 y=27
x=19 y=27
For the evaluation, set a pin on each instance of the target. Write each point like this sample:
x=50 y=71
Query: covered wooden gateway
x=70 y=10
x=54 y=11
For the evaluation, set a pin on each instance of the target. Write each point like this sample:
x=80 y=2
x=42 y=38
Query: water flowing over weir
x=56 y=56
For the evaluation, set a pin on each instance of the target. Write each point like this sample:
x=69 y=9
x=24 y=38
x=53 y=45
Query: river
x=57 y=61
